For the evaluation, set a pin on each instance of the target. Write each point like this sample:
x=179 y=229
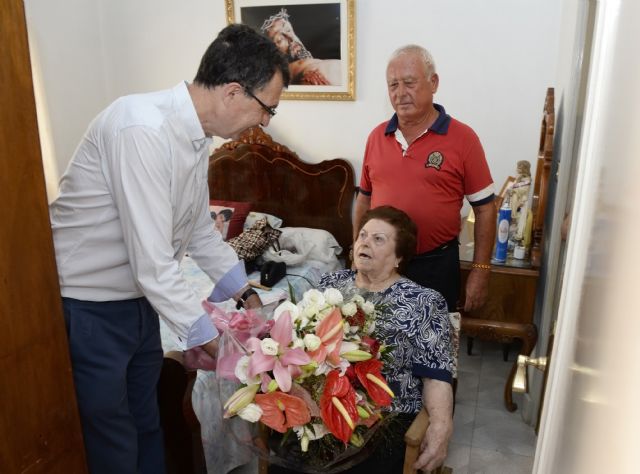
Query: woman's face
x=374 y=251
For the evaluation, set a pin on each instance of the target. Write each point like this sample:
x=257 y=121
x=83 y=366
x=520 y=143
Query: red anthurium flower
x=330 y=332
x=374 y=344
x=282 y=411
x=338 y=406
x=350 y=373
x=368 y=373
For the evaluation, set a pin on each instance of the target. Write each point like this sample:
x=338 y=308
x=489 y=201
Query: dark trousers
x=116 y=354
x=439 y=269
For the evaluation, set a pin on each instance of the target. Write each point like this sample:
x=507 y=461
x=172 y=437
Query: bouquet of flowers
x=314 y=370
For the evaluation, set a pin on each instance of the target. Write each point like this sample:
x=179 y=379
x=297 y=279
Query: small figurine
x=519 y=203
x=520 y=189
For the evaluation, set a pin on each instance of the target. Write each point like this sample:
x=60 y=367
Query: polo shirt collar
x=440 y=126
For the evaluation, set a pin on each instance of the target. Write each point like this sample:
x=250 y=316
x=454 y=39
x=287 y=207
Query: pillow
x=233 y=224
x=251 y=219
x=304 y=243
x=253 y=242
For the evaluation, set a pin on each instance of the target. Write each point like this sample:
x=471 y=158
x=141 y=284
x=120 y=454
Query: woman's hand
x=433 y=449
x=437 y=397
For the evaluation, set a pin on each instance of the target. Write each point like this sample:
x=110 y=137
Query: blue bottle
x=502 y=236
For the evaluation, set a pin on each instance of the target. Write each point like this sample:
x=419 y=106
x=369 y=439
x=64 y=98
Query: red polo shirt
x=430 y=179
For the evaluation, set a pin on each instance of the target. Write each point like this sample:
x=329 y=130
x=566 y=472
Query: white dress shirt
x=132 y=202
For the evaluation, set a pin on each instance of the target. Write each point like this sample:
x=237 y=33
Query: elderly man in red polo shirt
x=425 y=162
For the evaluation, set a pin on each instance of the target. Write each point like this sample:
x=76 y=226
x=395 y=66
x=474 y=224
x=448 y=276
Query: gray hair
x=429 y=63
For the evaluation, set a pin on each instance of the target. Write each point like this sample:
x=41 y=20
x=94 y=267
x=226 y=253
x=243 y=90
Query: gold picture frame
x=320 y=37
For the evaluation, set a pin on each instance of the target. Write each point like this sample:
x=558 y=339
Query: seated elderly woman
x=415 y=323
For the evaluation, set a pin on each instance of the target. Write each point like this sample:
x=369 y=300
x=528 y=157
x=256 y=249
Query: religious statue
x=519 y=204
x=520 y=189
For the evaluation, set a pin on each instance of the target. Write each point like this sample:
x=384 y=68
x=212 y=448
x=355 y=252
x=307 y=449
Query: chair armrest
x=415 y=433
x=413 y=439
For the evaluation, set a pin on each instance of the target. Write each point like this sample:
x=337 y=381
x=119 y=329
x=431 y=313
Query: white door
x=591 y=418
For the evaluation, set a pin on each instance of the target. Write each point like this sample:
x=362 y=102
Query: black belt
x=440 y=247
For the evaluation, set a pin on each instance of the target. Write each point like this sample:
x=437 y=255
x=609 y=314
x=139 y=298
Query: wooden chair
x=415 y=433
x=413 y=438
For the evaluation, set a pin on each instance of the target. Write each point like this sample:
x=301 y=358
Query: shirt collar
x=189 y=117
x=440 y=126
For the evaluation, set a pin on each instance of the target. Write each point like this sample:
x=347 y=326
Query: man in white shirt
x=132 y=202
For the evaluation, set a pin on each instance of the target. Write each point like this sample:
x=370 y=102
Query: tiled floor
x=487 y=439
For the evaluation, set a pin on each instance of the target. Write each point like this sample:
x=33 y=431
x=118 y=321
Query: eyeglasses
x=270 y=110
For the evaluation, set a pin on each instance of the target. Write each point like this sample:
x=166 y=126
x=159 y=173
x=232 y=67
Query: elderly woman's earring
x=397 y=263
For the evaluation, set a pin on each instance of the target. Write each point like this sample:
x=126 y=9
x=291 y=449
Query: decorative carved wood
x=257 y=136
x=275 y=180
x=543 y=171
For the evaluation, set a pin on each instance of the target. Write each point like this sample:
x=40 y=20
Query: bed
x=309 y=199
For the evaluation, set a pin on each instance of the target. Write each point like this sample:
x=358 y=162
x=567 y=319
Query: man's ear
x=230 y=91
x=435 y=82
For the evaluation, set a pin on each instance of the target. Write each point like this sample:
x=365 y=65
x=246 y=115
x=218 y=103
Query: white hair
x=429 y=63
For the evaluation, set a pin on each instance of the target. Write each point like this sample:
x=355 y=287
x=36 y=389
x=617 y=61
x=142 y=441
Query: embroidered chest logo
x=434 y=160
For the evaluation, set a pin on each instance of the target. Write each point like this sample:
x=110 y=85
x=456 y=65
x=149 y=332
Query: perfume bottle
x=502 y=236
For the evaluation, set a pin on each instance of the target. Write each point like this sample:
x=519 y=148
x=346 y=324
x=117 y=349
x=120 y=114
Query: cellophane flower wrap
x=311 y=375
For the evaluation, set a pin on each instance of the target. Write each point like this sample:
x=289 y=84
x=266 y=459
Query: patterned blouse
x=416 y=323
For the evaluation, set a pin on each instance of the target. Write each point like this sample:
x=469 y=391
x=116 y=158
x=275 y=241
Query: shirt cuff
x=201 y=332
x=230 y=283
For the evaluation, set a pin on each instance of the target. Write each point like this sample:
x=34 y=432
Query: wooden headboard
x=275 y=180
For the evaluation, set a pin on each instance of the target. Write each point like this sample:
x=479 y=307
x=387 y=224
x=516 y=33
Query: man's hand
x=253 y=302
x=477 y=289
x=484 y=233
x=211 y=348
x=433 y=449
x=204 y=357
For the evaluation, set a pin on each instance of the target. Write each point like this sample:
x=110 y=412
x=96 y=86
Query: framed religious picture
x=317 y=36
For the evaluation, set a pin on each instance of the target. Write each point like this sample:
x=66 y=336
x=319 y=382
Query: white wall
x=67 y=53
x=495 y=59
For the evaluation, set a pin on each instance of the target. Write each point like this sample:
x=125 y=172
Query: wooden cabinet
x=508 y=313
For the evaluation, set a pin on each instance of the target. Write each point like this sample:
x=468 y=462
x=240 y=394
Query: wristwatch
x=244 y=297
